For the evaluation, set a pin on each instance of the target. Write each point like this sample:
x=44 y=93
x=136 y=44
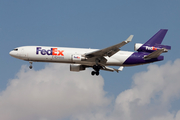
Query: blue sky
x=87 y=24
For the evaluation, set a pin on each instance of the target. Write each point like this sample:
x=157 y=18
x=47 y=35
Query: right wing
x=99 y=55
x=109 y=51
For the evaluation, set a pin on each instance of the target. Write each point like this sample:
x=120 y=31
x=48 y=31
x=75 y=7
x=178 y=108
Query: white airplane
x=79 y=58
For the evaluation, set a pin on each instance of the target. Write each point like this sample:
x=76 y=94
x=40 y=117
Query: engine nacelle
x=146 y=48
x=137 y=46
x=77 y=67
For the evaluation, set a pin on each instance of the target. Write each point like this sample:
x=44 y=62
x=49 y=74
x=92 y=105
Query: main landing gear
x=96 y=70
x=30 y=64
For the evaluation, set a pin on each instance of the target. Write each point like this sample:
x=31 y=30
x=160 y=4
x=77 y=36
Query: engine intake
x=145 y=48
x=137 y=46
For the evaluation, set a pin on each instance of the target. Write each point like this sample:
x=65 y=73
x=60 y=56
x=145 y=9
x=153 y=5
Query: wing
x=109 y=51
x=155 y=54
x=112 y=69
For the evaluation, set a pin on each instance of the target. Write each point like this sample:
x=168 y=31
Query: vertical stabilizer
x=157 y=38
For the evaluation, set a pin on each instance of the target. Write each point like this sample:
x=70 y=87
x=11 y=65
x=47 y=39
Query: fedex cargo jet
x=99 y=59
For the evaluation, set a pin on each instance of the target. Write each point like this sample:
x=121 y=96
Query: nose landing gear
x=30 y=64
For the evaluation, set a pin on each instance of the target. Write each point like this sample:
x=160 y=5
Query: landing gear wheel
x=30 y=64
x=96 y=70
x=93 y=72
x=30 y=67
x=97 y=73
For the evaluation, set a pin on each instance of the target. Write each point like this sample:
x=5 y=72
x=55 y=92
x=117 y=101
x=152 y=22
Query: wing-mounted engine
x=146 y=48
x=77 y=67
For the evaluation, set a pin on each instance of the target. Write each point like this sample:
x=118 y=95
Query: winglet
x=120 y=68
x=129 y=39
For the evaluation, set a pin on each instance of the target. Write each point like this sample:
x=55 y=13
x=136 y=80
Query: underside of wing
x=112 y=69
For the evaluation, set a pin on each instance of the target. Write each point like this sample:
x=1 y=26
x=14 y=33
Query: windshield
x=15 y=49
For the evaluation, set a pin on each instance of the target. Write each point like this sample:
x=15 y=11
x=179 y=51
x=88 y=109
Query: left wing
x=112 y=69
x=109 y=51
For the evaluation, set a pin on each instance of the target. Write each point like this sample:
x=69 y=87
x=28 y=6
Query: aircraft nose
x=13 y=53
x=10 y=53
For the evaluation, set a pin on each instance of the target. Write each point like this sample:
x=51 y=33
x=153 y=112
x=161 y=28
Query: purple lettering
x=49 y=52
x=37 y=50
x=43 y=52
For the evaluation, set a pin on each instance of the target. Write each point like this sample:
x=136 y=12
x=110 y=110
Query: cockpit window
x=16 y=49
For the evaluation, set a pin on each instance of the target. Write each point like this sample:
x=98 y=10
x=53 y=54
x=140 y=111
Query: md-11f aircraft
x=99 y=59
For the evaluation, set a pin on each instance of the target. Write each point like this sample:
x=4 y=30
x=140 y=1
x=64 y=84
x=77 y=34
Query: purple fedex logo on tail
x=98 y=59
x=151 y=48
x=52 y=51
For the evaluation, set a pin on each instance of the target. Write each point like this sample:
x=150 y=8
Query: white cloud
x=152 y=92
x=51 y=93
x=55 y=93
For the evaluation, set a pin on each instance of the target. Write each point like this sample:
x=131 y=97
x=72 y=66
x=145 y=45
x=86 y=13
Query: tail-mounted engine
x=137 y=46
x=144 y=48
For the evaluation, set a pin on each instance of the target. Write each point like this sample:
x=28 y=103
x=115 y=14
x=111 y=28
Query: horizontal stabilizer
x=155 y=54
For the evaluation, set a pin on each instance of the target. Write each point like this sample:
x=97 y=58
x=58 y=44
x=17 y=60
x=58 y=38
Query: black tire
x=92 y=73
x=30 y=67
x=97 y=73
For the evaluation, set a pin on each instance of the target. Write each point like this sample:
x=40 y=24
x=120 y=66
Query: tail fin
x=157 y=38
x=154 y=43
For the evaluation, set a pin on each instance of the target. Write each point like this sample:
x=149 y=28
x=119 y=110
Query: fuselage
x=75 y=56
